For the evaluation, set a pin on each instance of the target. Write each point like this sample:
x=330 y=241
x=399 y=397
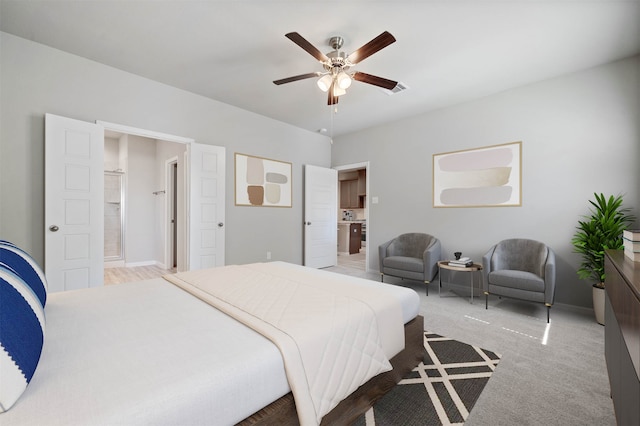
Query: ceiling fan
x=336 y=77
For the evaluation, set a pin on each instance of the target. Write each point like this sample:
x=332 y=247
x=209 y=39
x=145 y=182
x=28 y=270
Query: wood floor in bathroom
x=138 y=273
x=134 y=273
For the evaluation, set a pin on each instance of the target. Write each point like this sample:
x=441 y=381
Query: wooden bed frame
x=283 y=410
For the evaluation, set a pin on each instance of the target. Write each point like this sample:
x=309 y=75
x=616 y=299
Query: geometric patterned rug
x=441 y=390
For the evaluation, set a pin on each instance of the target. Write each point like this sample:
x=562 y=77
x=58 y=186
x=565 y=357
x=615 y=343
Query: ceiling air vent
x=400 y=87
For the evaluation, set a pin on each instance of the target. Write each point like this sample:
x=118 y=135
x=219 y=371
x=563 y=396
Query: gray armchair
x=413 y=256
x=522 y=269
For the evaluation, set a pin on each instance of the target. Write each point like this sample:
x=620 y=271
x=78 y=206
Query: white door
x=206 y=206
x=74 y=209
x=320 y=216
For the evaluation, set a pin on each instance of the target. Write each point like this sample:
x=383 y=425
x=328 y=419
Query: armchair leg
x=426 y=284
x=381 y=277
x=486 y=300
x=548 y=311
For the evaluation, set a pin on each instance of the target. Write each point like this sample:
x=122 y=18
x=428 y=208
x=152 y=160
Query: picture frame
x=489 y=176
x=262 y=182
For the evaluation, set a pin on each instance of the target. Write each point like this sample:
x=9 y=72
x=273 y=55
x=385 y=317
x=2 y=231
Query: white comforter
x=146 y=353
x=333 y=337
x=149 y=353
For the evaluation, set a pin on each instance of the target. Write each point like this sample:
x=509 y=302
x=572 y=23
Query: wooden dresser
x=622 y=335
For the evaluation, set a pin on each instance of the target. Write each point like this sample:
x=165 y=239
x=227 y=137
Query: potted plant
x=597 y=232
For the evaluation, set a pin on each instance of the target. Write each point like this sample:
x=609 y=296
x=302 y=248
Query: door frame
x=150 y=134
x=355 y=166
x=171 y=195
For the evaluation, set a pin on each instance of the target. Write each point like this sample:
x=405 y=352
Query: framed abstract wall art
x=262 y=182
x=483 y=177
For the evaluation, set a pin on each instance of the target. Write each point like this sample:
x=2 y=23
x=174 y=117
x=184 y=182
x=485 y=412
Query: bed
x=150 y=352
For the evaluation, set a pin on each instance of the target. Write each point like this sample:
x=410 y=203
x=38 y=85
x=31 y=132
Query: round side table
x=444 y=264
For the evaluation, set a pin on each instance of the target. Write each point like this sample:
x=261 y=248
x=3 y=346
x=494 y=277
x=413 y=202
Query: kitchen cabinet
x=349 y=237
x=344 y=194
x=349 y=198
x=362 y=182
x=353 y=191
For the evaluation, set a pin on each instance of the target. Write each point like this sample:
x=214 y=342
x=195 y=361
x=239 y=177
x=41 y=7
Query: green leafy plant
x=598 y=232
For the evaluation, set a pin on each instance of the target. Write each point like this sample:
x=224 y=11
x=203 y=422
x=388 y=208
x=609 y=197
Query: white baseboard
x=114 y=264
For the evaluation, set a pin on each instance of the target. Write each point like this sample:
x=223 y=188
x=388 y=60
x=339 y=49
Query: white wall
x=580 y=134
x=36 y=79
x=140 y=202
x=111 y=154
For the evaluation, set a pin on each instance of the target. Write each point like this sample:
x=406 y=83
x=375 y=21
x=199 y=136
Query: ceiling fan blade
x=332 y=99
x=310 y=48
x=376 y=81
x=378 y=43
x=297 y=77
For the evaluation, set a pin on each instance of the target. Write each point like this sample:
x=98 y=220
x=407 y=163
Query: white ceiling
x=447 y=52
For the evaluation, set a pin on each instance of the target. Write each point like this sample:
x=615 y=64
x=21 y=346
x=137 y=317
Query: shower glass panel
x=113 y=216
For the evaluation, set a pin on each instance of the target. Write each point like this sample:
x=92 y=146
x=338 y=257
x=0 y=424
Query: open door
x=206 y=206
x=321 y=217
x=74 y=197
x=74 y=201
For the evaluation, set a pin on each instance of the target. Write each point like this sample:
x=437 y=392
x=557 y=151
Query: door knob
x=307 y=223
x=53 y=228
x=220 y=225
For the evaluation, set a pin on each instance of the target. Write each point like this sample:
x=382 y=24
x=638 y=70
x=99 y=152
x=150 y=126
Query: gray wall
x=36 y=79
x=140 y=202
x=580 y=134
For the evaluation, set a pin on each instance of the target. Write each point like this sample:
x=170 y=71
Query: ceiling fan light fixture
x=343 y=80
x=338 y=91
x=324 y=82
x=335 y=77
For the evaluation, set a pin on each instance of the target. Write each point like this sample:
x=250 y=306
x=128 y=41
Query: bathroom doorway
x=145 y=204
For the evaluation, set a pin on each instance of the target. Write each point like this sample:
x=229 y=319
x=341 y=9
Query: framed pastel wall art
x=262 y=182
x=482 y=177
